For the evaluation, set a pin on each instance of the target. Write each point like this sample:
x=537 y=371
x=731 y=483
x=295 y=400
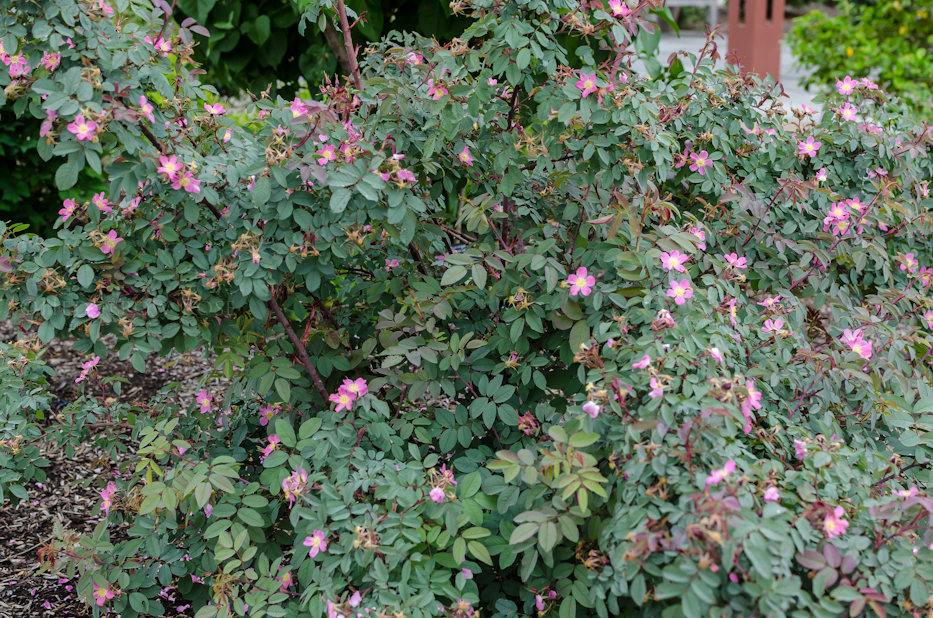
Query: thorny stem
x=302 y=352
x=348 y=42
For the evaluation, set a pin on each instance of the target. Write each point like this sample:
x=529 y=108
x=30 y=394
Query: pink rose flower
x=581 y=282
x=317 y=542
x=717 y=476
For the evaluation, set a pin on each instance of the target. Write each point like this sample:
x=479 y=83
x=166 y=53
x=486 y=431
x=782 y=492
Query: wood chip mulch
x=71 y=493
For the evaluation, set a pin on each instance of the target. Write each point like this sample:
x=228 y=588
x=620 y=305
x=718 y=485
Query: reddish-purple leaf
x=810 y=559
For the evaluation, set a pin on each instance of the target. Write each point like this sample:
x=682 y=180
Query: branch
x=417 y=255
x=336 y=46
x=348 y=43
x=152 y=138
x=327 y=314
x=903 y=470
x=513 y=105
x=302 y=352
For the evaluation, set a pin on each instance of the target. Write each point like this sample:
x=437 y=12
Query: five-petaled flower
x=834 y=524
x=50 y=60
x=909 y=263
x=317 y=542
x=699 y=162
x=343 y=398
x=718 y=476
x=716 y=354
x=735 y=261
x=86 y=369
x=204 y=400
x=436 y=91
x=145 y=108
x=101 y=202
x=110 y=242
x=187 y=182
x=618 y=8
x=809 y=147
x=437 y=495
x=68 y=209
x=215 y=109
x=273 y=442
x=83 y=129
x=848 y=112
x=102 y=595
x=356 y=387
x=465 y=157
x=772 y=495
x=92 y=311
x=327 y=153
x=770 y=303
x=587 y=84
x=847 y=85
x=674 y=260
x=680 y=291
x=581 y=282
x=266 y=414
x=169 y=166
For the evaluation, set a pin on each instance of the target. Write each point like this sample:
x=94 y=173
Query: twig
x=514 y=107
x=417 y=255
x=327 y=314
x=302 y=352
x=903 y=470
x=348 y=43
x=152 y=138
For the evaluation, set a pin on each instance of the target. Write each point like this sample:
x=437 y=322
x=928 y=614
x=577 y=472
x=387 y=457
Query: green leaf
x=459 y=550
x=250 y=517
x=453 y=275
x=470 y=484
x=284 y=389
x=339 y=200
x=523 y=532
x=262 y=191
x=579 y=335
x=259 y=30
x=479 y=551
x=548 y=536
x=479 y=275
x=477 y=532
x=285 y=432
x=139 y=602
x=67 y=174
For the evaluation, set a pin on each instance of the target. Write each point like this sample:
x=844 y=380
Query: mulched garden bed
x=71 y=493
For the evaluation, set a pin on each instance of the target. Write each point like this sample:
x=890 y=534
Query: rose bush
x=504 y=337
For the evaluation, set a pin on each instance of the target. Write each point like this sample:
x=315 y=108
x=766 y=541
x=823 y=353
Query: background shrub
x=889 y=42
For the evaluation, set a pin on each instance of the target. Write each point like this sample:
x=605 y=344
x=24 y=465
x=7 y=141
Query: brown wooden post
x=756 y=28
